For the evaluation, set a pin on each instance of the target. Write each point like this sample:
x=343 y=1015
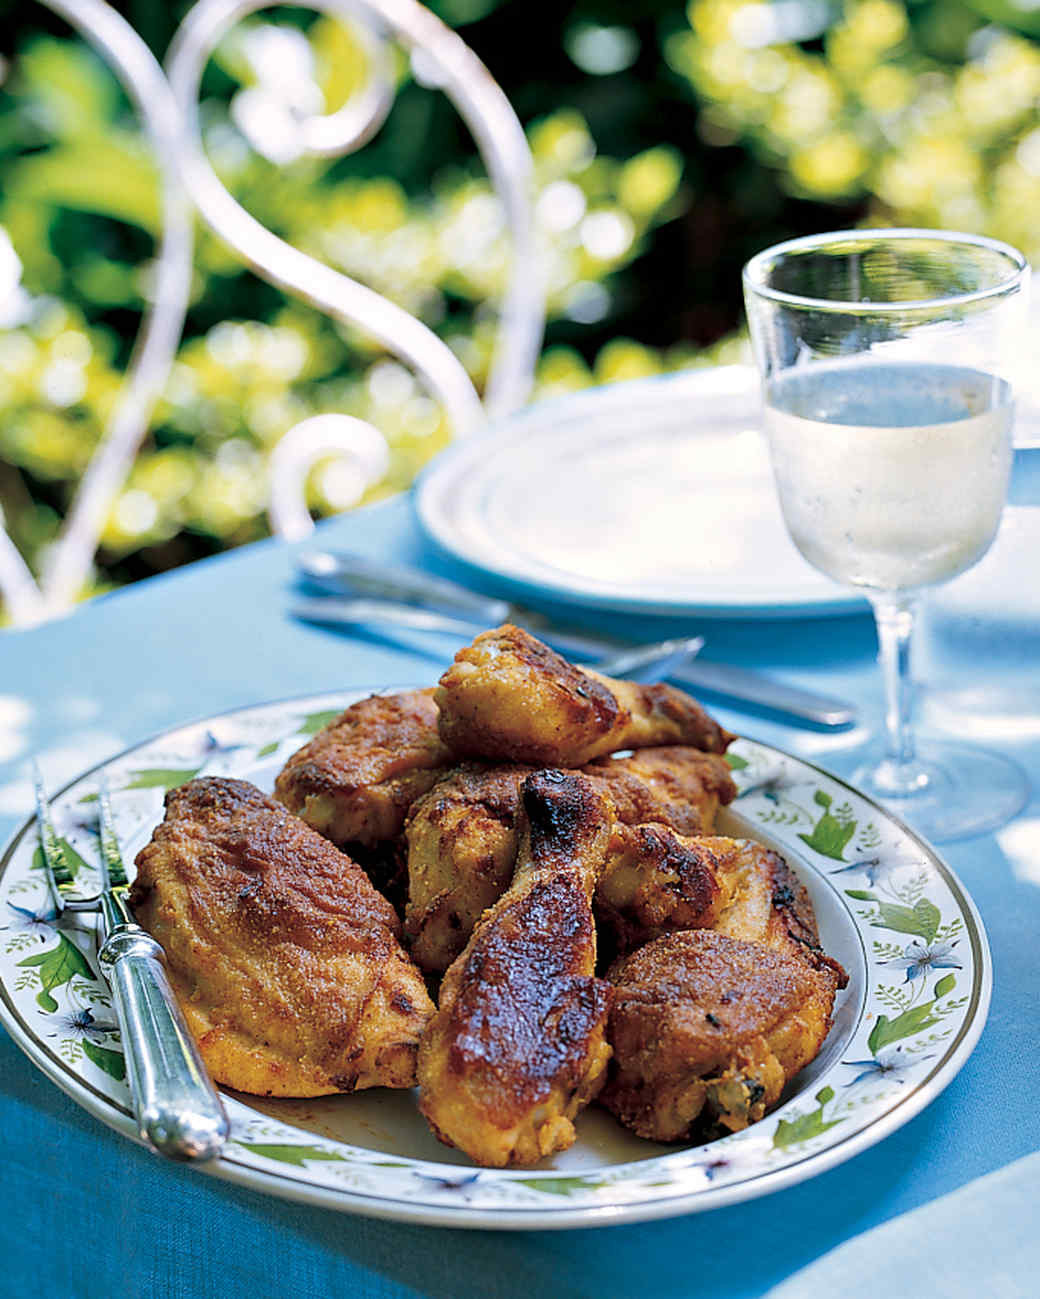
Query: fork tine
x=113 y=871
x=59 y=876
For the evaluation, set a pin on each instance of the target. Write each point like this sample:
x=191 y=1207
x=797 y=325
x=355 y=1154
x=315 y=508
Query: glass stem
x=895 y=625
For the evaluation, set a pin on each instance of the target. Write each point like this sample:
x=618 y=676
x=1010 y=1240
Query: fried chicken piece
x=517 y=1045
x=767 y=903
x=356 y=779
x=657 y=881
x=462 y=846
x=674 y=785
x=706 y=1031
x=462 y=843
x=281 y=953
x=509 y=697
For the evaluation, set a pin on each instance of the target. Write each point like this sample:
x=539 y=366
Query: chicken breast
x=511 y=698
x=462 y=844
x=517 y=1046
x=707 y=1030
x=356 y=779
x=282 y=955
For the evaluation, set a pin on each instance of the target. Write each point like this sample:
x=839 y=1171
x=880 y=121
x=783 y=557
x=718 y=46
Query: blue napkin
x=979 y=1242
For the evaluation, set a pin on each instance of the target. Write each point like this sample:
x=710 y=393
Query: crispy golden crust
x=767 y=903
x=706 y=1030
x=462 y=845
x=517 y=1045
x=655 y=881
x=659 y=714
x=462 y=842
x=511 y=698
x=281 y=953
x=676 y=785
x=357 y=778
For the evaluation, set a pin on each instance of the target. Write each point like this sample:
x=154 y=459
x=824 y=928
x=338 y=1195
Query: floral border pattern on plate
x=924 y=958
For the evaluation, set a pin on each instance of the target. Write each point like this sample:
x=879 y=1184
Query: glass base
x=953 y=791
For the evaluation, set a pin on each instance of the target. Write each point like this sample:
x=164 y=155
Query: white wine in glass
x=889 y=424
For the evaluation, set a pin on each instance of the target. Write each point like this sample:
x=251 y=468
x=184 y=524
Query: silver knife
x=175 y=1105
x=409 y=597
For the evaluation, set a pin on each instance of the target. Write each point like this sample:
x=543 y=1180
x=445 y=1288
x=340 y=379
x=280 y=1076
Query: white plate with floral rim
x=889 y=909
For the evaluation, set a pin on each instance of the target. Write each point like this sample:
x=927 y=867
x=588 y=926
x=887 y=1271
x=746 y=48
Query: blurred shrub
x=924 y=109
x=669 y=143
x=76 y=175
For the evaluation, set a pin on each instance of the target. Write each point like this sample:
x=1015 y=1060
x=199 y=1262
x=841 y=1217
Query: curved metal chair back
x=168 y=108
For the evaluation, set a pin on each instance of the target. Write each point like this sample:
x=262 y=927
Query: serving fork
x=175 y=1105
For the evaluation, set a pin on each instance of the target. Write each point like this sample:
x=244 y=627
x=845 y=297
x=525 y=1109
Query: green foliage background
x=693 y=135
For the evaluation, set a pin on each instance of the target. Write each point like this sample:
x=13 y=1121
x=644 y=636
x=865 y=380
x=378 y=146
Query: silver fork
x=175 y=1105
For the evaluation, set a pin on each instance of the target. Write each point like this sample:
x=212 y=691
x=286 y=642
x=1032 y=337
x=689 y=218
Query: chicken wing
x=706 y=1031
x=656 y=881
x=462 y=842
x=767 y=903
x=281 y=953
x=517 y=1045
x=509 y=697
x=356 y=779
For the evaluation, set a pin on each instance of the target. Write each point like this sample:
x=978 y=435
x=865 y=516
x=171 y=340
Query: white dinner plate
x=888 y=908
x=654 y=496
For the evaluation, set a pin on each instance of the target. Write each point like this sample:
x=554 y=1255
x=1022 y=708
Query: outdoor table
x=87 y=1212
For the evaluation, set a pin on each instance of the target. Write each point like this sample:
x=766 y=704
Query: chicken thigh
x=356 y=779
x=706 y=1031
x=282 y=955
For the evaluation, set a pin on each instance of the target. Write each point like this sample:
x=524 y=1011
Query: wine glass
x=883 y=356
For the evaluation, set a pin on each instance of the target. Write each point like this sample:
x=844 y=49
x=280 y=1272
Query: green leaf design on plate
x=56 y=967
x=861 y=895
x=162 y=777
x=911 y=1021
x=111 y=1062
x=946 y=984
x=73 y=860
x=736 y=763
x=268 y=749
x=930 y=917
x=154 y=778
x=314 y=722
x=831 y=834
x=922 y=919
x=297 y=1155
x=559 y=1185
x=791 y=1132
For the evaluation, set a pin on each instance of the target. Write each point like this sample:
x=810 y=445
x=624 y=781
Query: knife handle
x=177 y=1109
x=348 y=574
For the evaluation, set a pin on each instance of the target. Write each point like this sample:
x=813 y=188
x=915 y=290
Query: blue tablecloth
x=87 y=1213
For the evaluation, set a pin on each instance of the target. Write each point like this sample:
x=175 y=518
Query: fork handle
x=177 y=1109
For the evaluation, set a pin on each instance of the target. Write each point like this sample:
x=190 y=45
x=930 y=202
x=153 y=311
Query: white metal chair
x=167 y=104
